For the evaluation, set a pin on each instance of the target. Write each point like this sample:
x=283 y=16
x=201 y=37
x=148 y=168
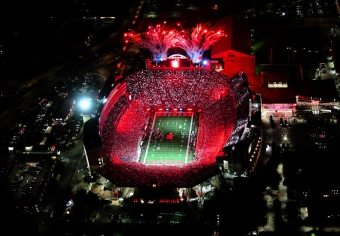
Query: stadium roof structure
x=221 y=102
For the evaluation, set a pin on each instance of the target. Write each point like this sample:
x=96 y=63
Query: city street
x=297 y=135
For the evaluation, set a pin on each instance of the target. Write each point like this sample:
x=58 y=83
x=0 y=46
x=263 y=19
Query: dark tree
x=292 y=209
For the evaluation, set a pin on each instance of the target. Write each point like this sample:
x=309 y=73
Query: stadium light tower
x=85 y=104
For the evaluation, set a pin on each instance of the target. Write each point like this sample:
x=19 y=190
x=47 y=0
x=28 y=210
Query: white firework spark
x=198 y=40
x=157 y=40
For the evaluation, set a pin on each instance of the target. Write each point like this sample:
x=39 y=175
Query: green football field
x=168 y=144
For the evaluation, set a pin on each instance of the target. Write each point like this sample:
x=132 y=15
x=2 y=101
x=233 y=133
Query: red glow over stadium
x=136 y=134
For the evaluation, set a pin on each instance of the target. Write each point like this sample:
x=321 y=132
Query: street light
x=84 y=104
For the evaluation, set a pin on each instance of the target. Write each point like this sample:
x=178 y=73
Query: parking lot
x=29 y=181
x=54 y=120
x=48 y=130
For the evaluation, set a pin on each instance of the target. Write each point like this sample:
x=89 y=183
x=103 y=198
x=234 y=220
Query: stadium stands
x=240 y=88
x=137 y=174
x=116 y=93
x=222 y=104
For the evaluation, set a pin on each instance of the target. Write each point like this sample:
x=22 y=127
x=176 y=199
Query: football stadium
x=166 y=126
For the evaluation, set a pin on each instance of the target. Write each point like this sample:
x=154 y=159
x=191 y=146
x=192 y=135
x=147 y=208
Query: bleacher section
x=115 y=94
x=239 y=86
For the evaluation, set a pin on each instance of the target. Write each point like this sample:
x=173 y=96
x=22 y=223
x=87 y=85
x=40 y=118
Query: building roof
x=317 y=88
x=230 y=54
x=278 y=95
x=93 y=157
x=277 y=77
x=91 y=136
x=238 y=36
x=234 y=62
x=293 y=70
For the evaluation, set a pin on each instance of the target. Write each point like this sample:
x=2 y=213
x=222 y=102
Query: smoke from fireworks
x=157 y=40
x=198 y=40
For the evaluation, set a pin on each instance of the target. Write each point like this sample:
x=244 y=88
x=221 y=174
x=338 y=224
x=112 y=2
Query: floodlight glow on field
x=84 y=104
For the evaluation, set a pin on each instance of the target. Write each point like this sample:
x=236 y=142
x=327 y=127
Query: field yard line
x=150 y=136
x=189 y=135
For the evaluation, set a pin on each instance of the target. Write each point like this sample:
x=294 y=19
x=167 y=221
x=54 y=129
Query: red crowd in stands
x=221 y=102
x=138 y=174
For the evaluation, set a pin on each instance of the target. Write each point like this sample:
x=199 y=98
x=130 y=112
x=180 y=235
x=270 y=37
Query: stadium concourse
x=128 y=122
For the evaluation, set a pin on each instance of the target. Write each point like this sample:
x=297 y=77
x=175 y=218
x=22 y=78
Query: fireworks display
x=194 y=42
x=157 y=40
x=198 y=40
